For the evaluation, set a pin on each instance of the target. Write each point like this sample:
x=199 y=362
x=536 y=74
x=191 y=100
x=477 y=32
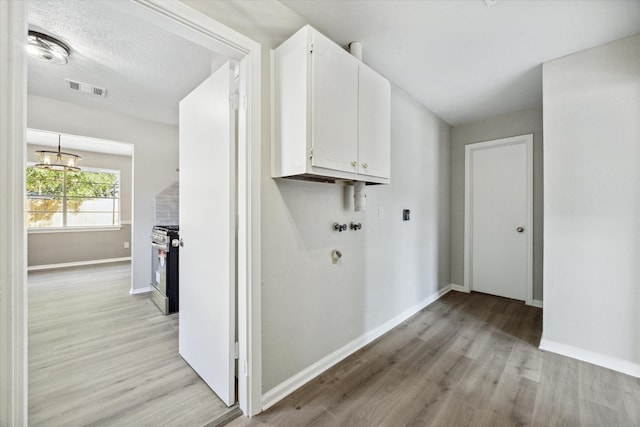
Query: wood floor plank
x=525 y=361
x=419 y=406
x=456 y=413
x=512 y=403
x=593 y=414
x=375 y=404
x=100 y=356
x=465 y=360
x=349 y=391
x=557 y=402
x=629 y=408
x=599 y=385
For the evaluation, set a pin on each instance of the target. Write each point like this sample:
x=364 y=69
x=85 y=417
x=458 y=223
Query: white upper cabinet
x=331 y=113
x=374 y=123
x=334 y=106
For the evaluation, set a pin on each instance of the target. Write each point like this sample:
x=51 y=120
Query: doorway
x=13 y=316
x=499 y=217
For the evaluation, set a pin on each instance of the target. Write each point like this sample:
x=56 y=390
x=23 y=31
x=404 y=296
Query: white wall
x=518 y=123
x=310 y=306
x=155 y=160
x=592 y=205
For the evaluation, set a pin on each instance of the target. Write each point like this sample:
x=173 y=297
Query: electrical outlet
x=126 y=245
x=406 y=214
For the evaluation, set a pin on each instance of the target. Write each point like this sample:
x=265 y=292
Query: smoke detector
x=86 y=88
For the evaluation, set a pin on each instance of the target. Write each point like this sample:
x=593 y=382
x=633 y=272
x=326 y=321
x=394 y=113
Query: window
x=88 y=198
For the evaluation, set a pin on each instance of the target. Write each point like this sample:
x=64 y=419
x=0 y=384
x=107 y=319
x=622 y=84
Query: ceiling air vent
x=86 y=88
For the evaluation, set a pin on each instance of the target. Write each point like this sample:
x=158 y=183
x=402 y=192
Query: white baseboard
x=76 y=264
x=290 y=385
x=458 y=288
x=620 y=365
x=140 y=290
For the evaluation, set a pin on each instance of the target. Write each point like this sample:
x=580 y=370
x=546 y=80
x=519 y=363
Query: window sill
x=73 y=229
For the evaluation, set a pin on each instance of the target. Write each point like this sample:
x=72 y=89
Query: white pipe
x=355 y=48
x=359 y=197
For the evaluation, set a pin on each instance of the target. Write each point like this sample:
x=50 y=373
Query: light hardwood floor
x=101 y=357
x=466 y=360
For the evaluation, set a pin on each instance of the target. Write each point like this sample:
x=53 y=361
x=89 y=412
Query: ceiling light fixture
x=58 y=160
x=47 y=48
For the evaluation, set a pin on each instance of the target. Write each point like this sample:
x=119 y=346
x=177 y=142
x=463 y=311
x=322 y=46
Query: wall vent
x=86 y=88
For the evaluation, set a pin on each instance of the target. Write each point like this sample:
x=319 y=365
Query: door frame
x=527 y=140
x=13 y=255
x=13 y=292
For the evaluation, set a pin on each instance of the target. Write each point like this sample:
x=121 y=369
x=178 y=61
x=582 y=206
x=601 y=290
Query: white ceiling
x=466 y=60
x=146 y=69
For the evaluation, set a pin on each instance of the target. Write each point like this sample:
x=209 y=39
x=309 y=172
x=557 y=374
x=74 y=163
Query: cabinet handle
x=354 y=163
x=365 y=165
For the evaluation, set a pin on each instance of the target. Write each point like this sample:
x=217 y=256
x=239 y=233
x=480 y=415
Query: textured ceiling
x=465 y=60
x=146 y=69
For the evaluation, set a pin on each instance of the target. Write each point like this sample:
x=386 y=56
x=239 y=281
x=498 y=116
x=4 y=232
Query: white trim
x=140 y=290
x=125 y=222
x=293 y=383
x=13 y=256
x=13 y=323
x=536 y=303
x=609 y=362
x=207 y=31
x=458 y=288
x=72 y=229
x=527 y=139
x=76 y=263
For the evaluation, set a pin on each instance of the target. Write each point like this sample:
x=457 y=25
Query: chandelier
x=58 y=160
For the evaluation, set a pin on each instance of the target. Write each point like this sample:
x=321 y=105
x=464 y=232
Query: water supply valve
x=339 y=227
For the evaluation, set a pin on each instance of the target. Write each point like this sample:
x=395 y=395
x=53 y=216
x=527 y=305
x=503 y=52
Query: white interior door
x=207 y=229
x=499 y=217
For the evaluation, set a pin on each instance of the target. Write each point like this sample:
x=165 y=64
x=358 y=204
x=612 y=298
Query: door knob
x=175 y=243
x=520 y=229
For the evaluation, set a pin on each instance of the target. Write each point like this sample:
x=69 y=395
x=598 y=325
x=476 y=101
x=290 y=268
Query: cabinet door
x=334 y=96
x=374 y=134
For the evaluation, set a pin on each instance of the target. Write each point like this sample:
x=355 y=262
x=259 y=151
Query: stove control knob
x=175 y=243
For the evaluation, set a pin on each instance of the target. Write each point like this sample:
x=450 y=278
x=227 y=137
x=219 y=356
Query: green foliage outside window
x=53 y=197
